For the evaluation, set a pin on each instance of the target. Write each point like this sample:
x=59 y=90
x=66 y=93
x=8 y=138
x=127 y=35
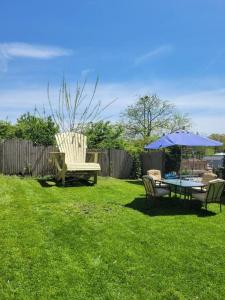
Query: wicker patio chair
x=213 y=193
x=206 y=178
x=152 y=191
x=156 y=175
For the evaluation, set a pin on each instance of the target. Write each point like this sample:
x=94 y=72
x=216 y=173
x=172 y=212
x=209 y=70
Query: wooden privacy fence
x=153 y=160
x=20 y=157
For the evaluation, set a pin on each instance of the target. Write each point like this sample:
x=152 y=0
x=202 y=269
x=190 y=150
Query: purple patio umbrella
x=182 y=138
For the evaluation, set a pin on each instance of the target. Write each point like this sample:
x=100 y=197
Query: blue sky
x=173 y=48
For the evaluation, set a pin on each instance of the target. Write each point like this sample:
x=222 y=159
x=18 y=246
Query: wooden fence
x=115 y=163
x=153 y=160
x=20 y=157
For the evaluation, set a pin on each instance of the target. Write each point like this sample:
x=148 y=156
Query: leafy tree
x=7 y=130
x=40 y=131
x=137 y=145
x=104 y=135
x=178 y=121
x=151 y=115
x=220 y=138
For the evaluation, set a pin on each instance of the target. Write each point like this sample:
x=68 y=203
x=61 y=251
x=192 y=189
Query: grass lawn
x=101 y=242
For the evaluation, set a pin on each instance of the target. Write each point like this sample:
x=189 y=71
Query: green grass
x=102 y=242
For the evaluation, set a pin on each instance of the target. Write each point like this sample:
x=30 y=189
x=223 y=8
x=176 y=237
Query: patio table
x=183 y=184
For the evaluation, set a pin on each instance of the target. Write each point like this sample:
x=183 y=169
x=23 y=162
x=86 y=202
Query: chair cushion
x=155 y=174
x=199 y=196
x=199 y=189
x=161 y=185
x=162 y=192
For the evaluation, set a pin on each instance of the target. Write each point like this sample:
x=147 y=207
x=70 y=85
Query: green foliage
x=7 y=130
x=220 y=138
x=178 y=121
x=104 y=135
x=40 y=131
x=152 y=115
x=137 y=145
x=103 y=242
x=136 y=171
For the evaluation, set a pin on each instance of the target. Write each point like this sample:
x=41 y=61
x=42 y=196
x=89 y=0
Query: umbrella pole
x=181 y=155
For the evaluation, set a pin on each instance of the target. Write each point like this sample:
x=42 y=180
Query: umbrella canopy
x=183 y=138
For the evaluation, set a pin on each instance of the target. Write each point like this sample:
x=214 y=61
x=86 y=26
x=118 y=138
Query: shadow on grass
x=169 y=207
x=71 y=182
x=137 y=181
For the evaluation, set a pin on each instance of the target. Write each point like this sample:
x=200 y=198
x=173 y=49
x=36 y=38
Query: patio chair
x=152 y=191
x=70 y=160
x=206 y=178
x=213 y=193
x=156 y=175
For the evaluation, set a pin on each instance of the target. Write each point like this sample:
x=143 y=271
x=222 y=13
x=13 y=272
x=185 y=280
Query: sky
x=175 y=49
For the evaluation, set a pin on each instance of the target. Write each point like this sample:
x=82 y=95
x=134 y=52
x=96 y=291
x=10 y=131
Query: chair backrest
x=74 y=146
x=149 y=184
x=208 y=176
x=215 y=190
x=155 y=174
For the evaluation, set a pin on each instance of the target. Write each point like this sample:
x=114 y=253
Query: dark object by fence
x=20 y=157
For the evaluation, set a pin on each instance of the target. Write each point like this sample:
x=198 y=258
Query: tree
x=7 y=130
x=220 y=138
x=151 y=115
x=178 y=121
x=72 y=111
x=104 y=135
x=41 y=131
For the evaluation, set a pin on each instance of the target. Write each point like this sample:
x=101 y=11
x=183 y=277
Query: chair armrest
x=159 y=182
x=94 y=156
x=58 y=160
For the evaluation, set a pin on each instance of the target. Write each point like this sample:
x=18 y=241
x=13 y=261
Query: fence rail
x=21 y=157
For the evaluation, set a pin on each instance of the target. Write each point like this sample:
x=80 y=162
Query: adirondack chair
x=70 y=160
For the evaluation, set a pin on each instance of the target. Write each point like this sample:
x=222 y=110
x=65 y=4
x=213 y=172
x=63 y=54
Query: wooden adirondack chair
x=70 y=160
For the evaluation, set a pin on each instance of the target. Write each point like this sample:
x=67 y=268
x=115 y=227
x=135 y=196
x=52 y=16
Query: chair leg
x=95 y=177
x=146 y=200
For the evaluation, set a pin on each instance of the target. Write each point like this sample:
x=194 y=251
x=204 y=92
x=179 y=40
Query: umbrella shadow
x=169 y=207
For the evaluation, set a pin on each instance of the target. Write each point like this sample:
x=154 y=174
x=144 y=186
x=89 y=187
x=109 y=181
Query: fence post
x=1 y=156
x=110 y=162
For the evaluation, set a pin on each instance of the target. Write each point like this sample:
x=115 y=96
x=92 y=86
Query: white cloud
x=86 y=72
x=210 y=100
x=9 y=51
x=164 y=49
